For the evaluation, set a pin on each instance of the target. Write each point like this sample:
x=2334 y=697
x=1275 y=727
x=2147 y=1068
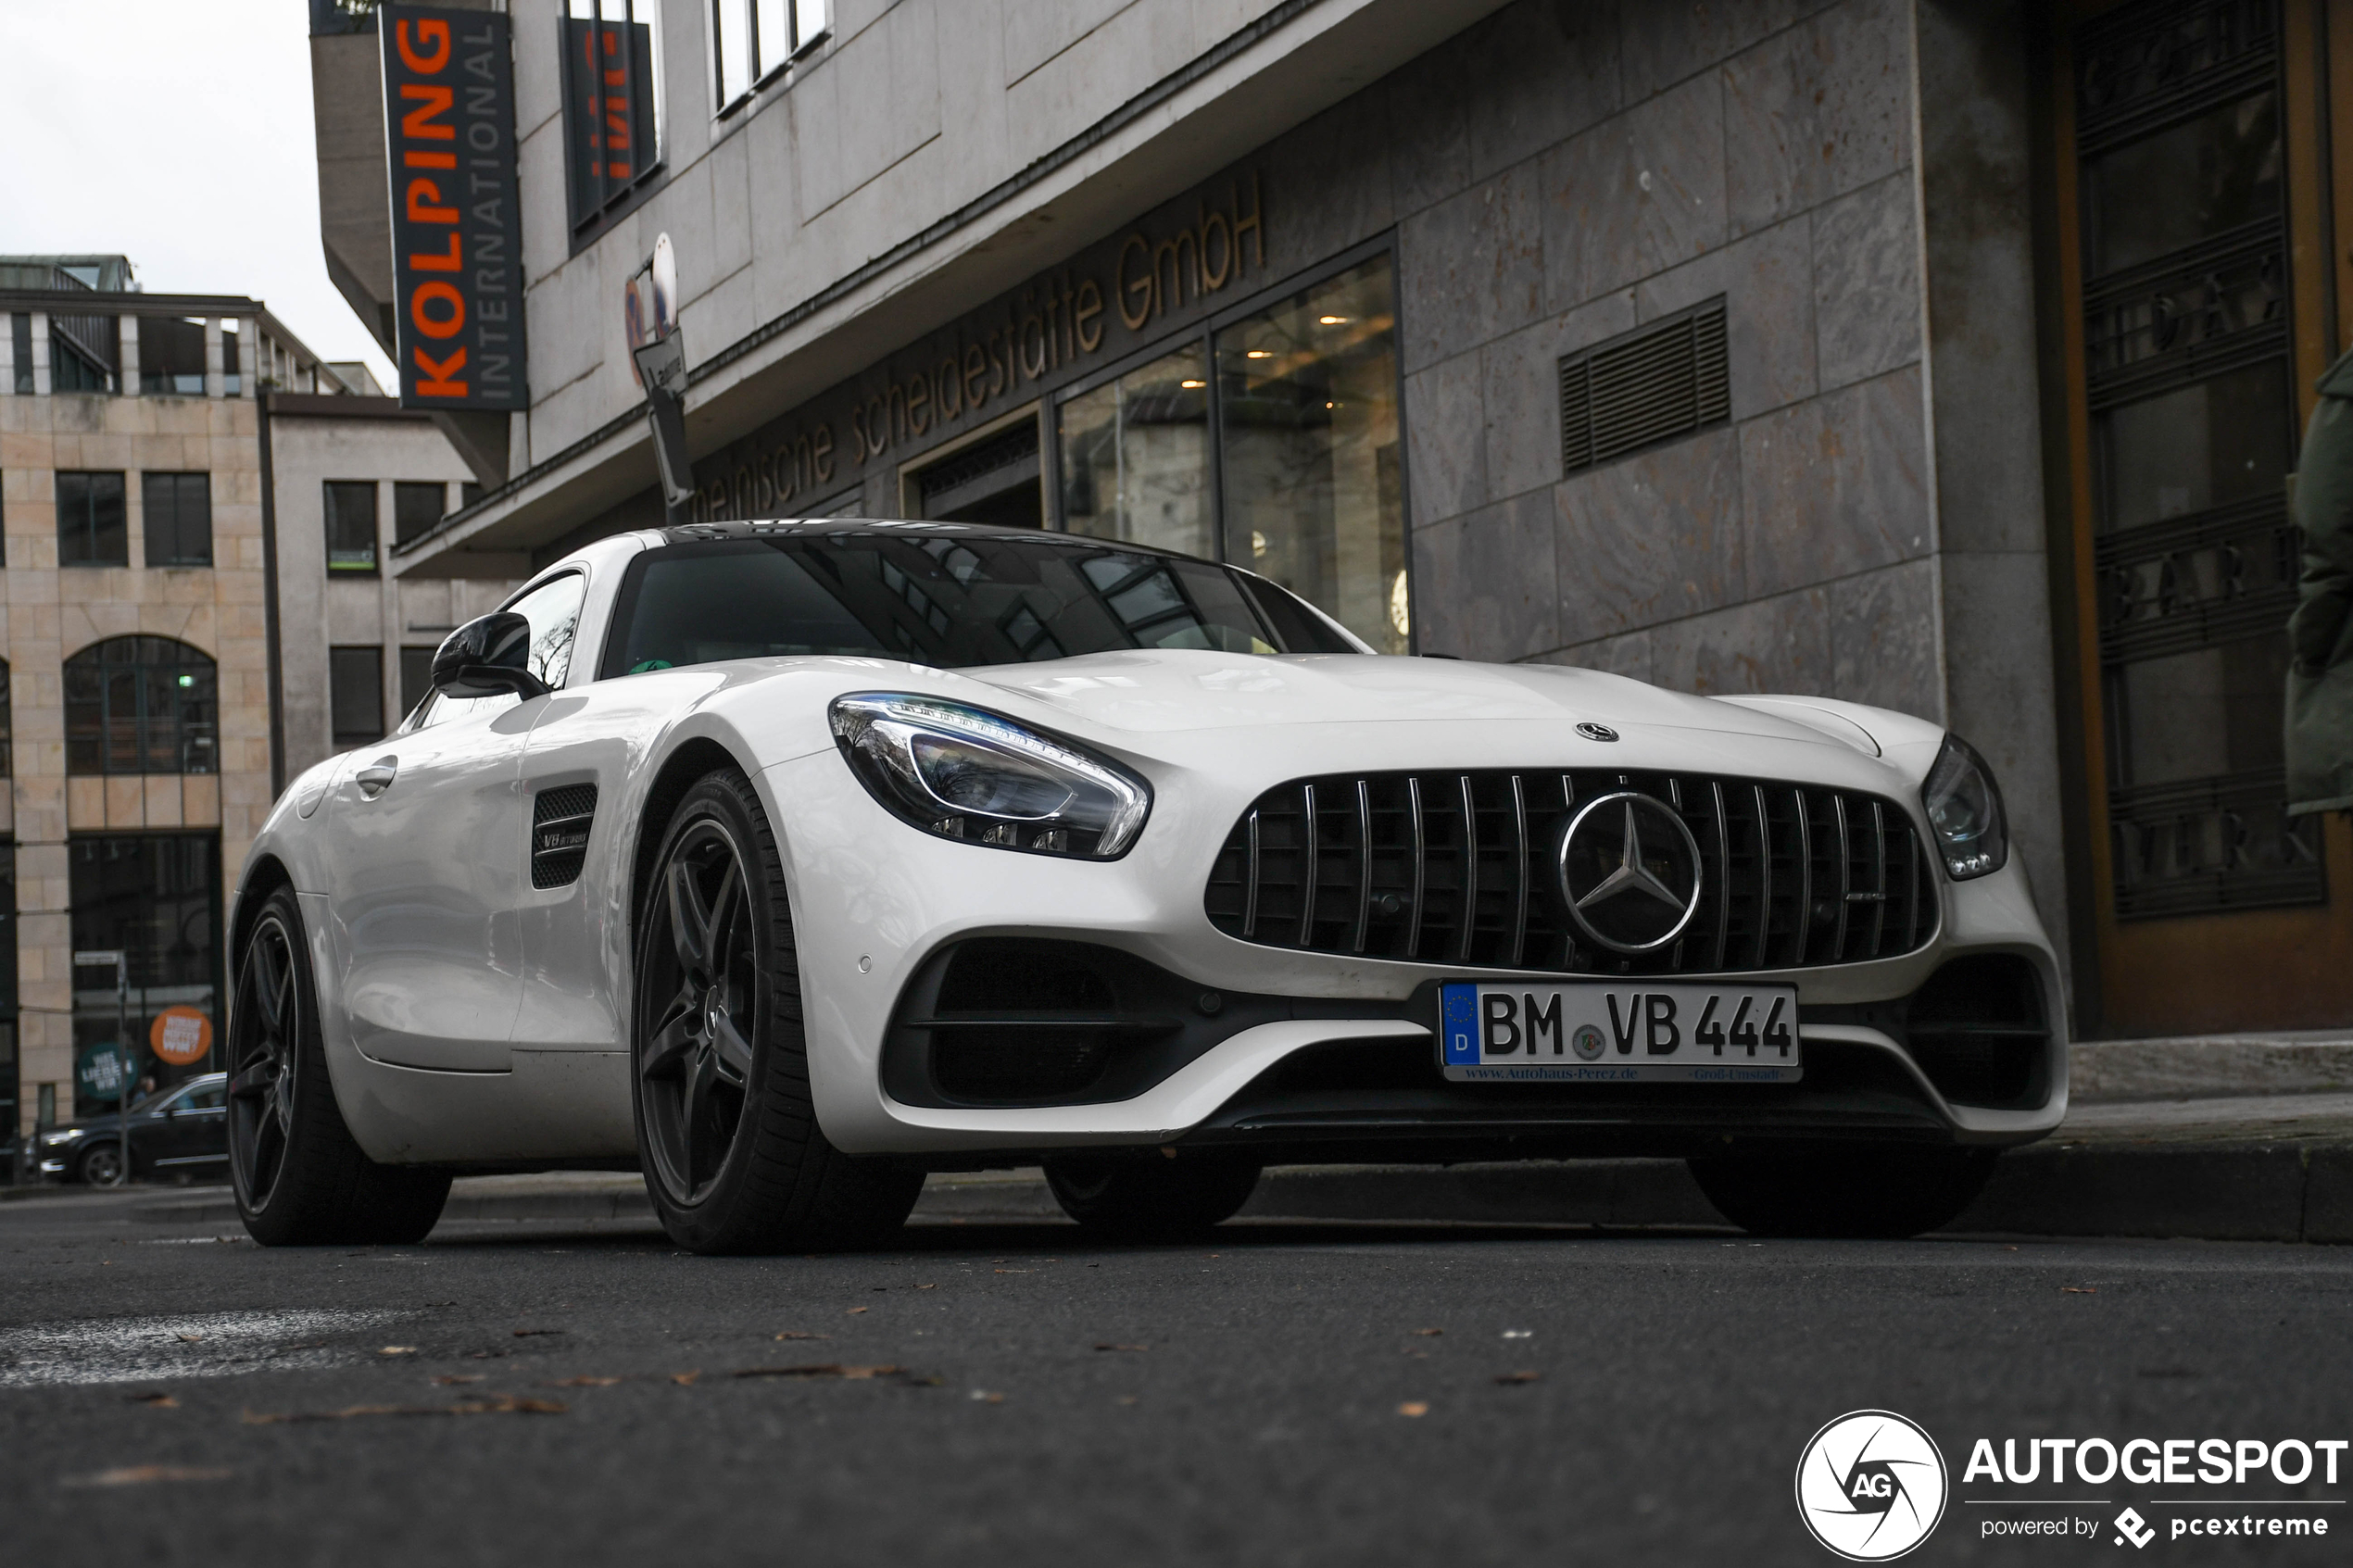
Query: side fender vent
x=1662 y=381
x=560 y=822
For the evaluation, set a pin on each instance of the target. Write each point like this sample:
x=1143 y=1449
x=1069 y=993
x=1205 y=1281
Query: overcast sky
x=180 y=136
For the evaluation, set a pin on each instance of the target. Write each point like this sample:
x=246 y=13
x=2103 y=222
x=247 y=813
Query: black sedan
x=179 y=1131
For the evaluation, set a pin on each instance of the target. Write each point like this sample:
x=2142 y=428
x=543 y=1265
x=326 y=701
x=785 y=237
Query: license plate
x=1619 y=1033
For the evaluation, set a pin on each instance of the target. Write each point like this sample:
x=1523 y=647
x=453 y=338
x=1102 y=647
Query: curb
x=2237 y=1191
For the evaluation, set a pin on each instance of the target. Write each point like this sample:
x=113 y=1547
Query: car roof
x=772 y=527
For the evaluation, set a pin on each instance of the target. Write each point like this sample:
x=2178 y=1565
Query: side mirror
x=486 y=657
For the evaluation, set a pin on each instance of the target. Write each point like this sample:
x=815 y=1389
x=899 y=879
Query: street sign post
x=98 y=958
x=658 y=358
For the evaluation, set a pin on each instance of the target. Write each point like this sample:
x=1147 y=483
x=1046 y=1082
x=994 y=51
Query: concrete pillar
x=41 y=353
x=129 y=334
x=248 y=344
x=7 y=355
x=213 y=378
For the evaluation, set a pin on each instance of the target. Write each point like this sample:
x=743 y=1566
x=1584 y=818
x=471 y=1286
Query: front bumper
x=875 y=903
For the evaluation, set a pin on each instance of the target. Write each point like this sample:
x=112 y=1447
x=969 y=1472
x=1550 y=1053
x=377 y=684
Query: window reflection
x=1308 y=432
x=1135 y=455
x=2159 y=194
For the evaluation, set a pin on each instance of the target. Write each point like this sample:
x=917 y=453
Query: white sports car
x=789 y=862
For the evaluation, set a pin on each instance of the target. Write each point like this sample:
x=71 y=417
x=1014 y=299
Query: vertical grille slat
x=561 y=819
x=1321 y=865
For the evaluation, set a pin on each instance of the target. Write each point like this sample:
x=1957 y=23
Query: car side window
x=553 y=610
x=208 y=1098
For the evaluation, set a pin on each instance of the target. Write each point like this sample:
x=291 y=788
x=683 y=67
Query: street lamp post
x=98 y=958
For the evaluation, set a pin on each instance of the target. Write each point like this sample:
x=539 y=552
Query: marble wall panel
x=1837 y=484
x=1767 y=284
x=1546 y=70
x=1484 y=583
x=1636 y=194
x=1651 y=537
x=1776 y=644
x=1473 y=268
x=1818 y=111
x=1445 y=439
x=1867 y=281
x=1521 y=376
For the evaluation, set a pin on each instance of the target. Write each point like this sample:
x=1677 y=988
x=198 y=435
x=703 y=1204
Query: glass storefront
x=157 y=897
x=1303 y=481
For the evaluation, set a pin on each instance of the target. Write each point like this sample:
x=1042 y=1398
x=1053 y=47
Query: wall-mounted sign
x=100 y=1072
x=456 y=226
x=180 y=1035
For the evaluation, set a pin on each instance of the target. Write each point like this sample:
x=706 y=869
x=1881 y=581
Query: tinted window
x=952 y=602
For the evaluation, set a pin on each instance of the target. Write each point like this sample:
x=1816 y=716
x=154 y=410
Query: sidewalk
x=2240 y=1139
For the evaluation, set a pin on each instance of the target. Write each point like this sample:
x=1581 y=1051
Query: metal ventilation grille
x=1669 y=379
x=559 y=824
x=1461 y=870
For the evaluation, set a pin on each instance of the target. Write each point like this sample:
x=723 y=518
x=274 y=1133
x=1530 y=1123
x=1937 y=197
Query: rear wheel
x=300 y=1178
x=734 y=1160
x=1861 y=1191
x=1151 y=1197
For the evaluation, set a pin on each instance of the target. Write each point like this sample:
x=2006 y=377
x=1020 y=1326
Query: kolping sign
x=457 y=225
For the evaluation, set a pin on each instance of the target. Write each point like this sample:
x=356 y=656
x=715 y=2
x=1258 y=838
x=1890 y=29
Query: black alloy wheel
x=727 y=1128
x=102 y=1165
x=301 y=1177
x=695 y=1067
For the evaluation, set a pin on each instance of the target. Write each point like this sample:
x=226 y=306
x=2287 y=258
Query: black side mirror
x=486 y=657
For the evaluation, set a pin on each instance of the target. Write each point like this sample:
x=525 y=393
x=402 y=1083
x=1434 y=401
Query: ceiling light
x=1333 y=321
x=1260 y=354
x=1190 y=385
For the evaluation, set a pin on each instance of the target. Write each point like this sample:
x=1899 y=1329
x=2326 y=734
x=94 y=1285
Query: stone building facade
x=1807 y=345
x=138 y=643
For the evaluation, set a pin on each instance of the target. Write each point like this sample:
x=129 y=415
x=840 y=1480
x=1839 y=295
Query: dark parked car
x=178 y=1130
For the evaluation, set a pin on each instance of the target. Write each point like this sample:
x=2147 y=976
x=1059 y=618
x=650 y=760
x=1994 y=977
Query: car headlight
x=1965 y=807
x=966 y=774
x=51 y=1140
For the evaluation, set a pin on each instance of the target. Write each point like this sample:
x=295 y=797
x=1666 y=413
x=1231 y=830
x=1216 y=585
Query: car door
x=426 y=850
x=197 y=1140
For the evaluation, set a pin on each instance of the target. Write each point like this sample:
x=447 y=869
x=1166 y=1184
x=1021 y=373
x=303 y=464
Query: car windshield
x=946 y=600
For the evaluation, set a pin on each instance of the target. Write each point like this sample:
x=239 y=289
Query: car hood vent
x=560 y=822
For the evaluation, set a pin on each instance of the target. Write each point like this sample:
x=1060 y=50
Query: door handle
x=376 y=777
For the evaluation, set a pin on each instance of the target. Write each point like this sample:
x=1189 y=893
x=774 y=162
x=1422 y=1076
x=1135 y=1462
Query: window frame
x=758 y=76
x=344 y=739
x=1204 y=332
x=586 y=222
x=142 y=720
x=411 y=486
x=123 y=498
x=179 y=521
x=375 y=530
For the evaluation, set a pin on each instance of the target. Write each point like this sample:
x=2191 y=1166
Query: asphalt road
x=1245 y=1400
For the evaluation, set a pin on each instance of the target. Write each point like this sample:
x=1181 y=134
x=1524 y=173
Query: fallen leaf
x=1016 y=1270
x=1516 y=1376
x=1413 y=1407
x=582 y=1383
x=983 y=1397
x=1429 y=1333
x=1519 y=1334
x=398 y=1351
x=496 y=1404
x=189 y=1339
x=158 y=1401
x=1123 y=1347
x=853 y=1311
x=926 y=1287
x=796 y=1334
x=446 y=1379
x=529 y=1333
x=140 y=1474
x=685 y=1379
x=820 y=1368
x=2079 y=1290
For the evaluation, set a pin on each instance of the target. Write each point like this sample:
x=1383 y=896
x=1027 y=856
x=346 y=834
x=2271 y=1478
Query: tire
x=727 y=1130
x=300 y=1178
x=1150 y=1197
x=1859 y=1192
x=100 y=1165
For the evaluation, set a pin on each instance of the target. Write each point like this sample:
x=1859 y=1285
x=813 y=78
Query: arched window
x=142 y=704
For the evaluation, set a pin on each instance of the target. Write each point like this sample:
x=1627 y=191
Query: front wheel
x=734 y=1160
x=1151 y=1197
x=1860 y=1192
x=102 y=1167
x=301 y=1177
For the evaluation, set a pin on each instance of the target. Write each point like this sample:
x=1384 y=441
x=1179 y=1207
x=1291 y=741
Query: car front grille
x=1460 y=869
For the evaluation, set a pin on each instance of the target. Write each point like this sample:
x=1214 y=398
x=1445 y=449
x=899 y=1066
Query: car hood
x=1161 y=690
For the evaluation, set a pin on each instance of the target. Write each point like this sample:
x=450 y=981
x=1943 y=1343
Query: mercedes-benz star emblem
x=1596 y=732
x=1629 y=871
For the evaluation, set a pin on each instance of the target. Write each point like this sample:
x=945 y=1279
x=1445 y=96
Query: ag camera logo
x=1871 y=1486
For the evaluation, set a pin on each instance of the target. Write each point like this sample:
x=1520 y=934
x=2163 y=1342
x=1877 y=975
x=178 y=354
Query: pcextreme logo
x=1871 y=1486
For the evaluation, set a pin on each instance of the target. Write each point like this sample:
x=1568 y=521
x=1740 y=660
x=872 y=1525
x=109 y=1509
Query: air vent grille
x=560 y=822
x=1665 y=379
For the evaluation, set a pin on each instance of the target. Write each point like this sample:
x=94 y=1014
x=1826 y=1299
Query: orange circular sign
x=180 y=1035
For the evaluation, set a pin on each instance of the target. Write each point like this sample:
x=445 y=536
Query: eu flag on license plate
x=1458 y=1020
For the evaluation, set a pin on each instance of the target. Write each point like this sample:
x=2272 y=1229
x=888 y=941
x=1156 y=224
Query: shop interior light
x=1259 y=354
x=1333 y=321
x=1193 y=386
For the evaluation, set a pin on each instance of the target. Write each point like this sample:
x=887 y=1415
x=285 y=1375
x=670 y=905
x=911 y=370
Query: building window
x=355 y=696
x=20 y=341
x=1285 y=460
x=8 y=729
x=141 y=705
x=751 y=40
x=171 y=356
x=416 y=678
x=611 y=108
x=86 y=353
x=92 y=526
x=416 y=508
x=233 y=380
x=156 y=897
x=179 y=508
x=351 y=525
